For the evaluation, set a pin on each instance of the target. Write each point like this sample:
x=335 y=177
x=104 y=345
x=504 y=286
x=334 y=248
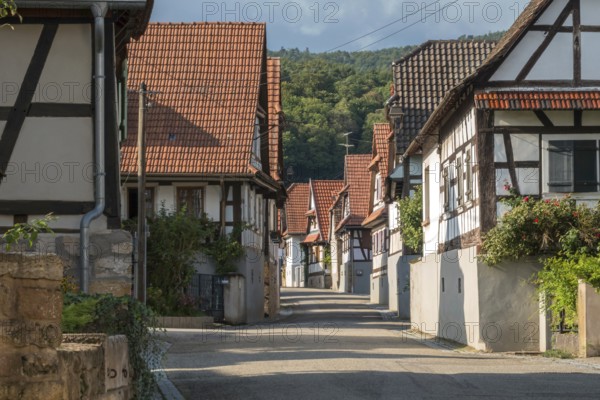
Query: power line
x=409 y=26
x=383 y=27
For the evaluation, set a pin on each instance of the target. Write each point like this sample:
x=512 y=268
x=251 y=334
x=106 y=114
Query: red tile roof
x=312 y=238
x=295 y=209
x=539 y=100
x=423 y=77
x=358 y=188
x=380 y=213
x=207 y=77
x=275 y=110
x=325 y=193
x=381 y=148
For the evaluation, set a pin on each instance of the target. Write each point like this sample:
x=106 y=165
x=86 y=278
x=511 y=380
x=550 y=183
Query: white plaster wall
x=19 y=43
x=509 y=307
x=525 y=147
x=561 y=118
x=590 y=57
x=67 y=76
x=52 y=160
x=591 y=118
x=425 y=294
x=557 y=61
x=515 y=61
x=552 y=12
x=379 y=289
x=516 y=118
x=430 y=240
x=212 y=202
x=590 y=12
x=166 y=195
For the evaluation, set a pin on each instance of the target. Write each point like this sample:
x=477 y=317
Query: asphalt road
x=336 y=346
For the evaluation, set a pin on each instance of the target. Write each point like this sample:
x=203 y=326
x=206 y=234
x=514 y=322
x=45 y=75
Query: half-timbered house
x=213 y=140
x=62 y=75
x=351 y=262
x=322 y=195
x=421 y=80
x=293 y=228
x=377 y=220
x=527 y=117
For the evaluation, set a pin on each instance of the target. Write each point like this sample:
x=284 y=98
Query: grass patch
x=555 y=353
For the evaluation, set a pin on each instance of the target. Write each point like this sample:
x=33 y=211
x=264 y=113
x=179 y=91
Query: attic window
x=172 y=137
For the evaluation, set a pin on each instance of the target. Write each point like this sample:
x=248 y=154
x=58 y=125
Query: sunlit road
x=338 y=347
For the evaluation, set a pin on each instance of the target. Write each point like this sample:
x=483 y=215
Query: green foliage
x=323 y=98
x=492 y=36
x=119 y=316
x=28 y=232
x=410 y=218
x=174 y=242
x=226 y=250
x=567 y=235
x=554 y=353
x=76 y=316
x=534 y=227
x=361 y=61
x=560 y=279
x=8 y=8
x=176 y=239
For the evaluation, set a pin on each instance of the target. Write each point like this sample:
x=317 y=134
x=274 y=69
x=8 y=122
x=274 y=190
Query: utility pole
x=347 y=145
x=140 y=274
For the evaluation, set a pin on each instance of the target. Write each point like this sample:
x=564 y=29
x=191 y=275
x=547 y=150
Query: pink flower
x=535 y=221
x=526 y=199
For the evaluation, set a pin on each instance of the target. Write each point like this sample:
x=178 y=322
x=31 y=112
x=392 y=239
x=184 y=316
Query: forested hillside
x=328 y=94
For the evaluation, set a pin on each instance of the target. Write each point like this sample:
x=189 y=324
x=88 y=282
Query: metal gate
x=208 y=290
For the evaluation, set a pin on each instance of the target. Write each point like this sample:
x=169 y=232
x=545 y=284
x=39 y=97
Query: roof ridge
x=432 y=42
x=198 y=23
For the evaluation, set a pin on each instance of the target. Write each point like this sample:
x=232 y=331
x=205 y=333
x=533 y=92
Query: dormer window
x=346 y=206
x=256 y=145
x=313 y=224
x=377 y=191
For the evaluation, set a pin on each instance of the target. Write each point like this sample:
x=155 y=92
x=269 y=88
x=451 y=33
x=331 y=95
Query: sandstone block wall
x=30 y=315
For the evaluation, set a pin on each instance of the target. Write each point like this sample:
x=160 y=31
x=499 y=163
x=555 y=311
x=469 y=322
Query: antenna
x=347 y=145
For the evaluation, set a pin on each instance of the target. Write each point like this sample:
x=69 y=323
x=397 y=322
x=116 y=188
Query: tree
x=8 y=8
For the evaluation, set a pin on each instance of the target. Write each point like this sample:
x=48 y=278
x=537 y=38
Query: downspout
x=99 y=11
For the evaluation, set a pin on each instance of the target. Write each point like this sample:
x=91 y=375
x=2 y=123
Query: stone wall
x=95 y=367
x=30 y=315
x=110 y=260
x=588 y=310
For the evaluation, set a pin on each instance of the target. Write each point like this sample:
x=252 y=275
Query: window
x=468 y=177
x=256 y=145
x=192 y=199
x=346 y=206
x=446 y=179
x=426 y=191
x=460 y=183
x=132 y=203
x=573 y=166
x=377 y=191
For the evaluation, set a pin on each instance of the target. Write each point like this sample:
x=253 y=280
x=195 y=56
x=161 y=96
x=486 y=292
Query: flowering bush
x=535 y=227
x=567 y=233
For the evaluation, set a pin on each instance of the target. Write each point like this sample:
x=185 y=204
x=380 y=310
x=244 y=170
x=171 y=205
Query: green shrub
x=119 y=316
x=410 y=219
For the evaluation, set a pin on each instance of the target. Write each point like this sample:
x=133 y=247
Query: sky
x=323 y=25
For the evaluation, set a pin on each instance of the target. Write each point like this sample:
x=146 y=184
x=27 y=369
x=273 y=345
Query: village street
x=336 y=346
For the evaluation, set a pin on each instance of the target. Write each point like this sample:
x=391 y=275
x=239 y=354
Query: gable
x=557 y=47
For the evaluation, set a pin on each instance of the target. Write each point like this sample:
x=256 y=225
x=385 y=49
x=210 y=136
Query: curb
x=167 y=390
